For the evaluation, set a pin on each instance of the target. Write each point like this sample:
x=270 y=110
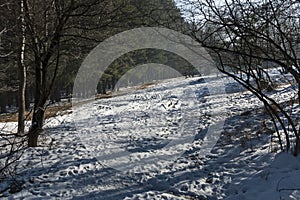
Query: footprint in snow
x=170 y=105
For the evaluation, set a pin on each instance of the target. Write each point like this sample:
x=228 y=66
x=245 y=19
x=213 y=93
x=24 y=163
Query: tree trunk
x=39 y=102
x=299 y=93
x=103 y=87
x=113 y=83
x=27 y=100
x=55 y=96
x=297 y=147
x=36 y=127
x=22 y=74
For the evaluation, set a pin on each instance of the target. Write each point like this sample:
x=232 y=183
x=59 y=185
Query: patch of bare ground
x=51 y=111
x=146 y=85
x=103 y=96
x=54 y=110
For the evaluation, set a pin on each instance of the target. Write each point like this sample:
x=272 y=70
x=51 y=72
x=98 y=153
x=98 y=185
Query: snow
x=178 y=139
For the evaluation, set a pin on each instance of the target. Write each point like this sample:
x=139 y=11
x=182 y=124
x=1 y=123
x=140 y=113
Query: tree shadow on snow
x=232 y=161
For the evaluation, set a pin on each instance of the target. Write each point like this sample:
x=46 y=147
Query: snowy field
x=195 y=138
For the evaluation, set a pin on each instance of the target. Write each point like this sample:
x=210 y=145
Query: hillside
x=195 y=138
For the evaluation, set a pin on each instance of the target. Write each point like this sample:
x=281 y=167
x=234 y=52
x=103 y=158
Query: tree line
x=43 y=43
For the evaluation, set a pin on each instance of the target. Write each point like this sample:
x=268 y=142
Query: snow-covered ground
x=196 y=138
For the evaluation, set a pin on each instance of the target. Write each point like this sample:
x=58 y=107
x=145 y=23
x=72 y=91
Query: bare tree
x=22 y=71
x=249 y=37
x=52 y=25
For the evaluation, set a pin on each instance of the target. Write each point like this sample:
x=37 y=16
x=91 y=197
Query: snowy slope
x=178 y=139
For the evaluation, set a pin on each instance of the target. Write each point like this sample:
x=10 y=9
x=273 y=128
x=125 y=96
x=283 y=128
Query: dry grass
x=146 y=85
x=103 y=96
x=53 y=111
x=50 y=112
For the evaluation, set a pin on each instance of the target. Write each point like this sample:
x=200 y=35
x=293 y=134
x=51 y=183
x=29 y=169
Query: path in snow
x=119 y=148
